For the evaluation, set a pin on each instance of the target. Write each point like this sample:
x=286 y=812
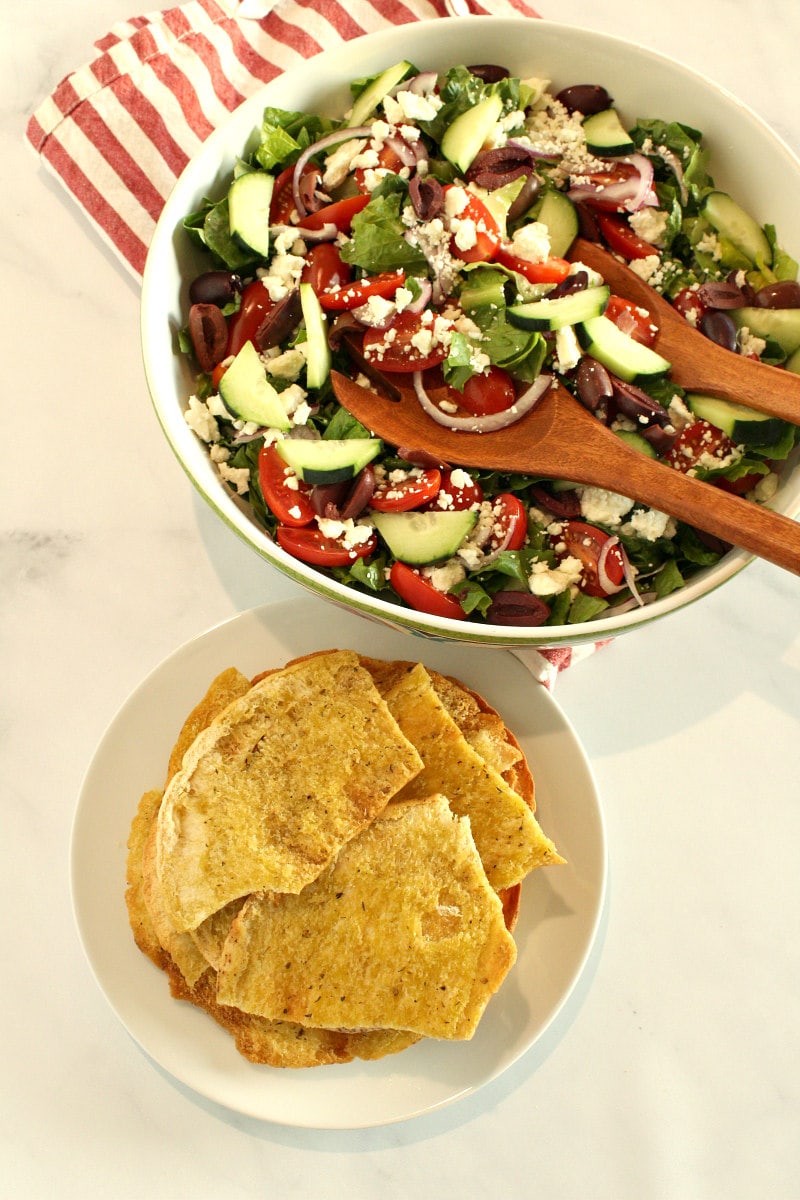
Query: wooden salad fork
x=560 y=439
x=697 y=363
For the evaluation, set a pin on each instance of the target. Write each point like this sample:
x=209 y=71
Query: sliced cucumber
x=793 y=362
x=249 y=201
x=249 y=395
x=328 y=460
x=732 y=222
x=636 y=442
x=557 y=212
x=780 y=325
x=483 y=288
x=318 y=352
x=368 y=100
x=627 y=358
x=606 y=135
x=464 y=138
x=420 y=538
x=744 y=426
x=564 y=310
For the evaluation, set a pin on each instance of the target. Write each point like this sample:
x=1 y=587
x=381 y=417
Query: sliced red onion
x=532 y=151
x=421 y=84
x=421 y=302
x=632 y=194
x=493 y=421
x=493 y=555
x=630 y=578
x=603 y=578
x=324 y=143
x=633 y=602
x=404 y=150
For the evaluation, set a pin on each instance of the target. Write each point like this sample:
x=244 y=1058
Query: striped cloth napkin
x=118 y=131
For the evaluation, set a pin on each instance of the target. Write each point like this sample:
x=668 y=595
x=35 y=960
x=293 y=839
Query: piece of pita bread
x=278 y=781
x=402 y=931
x=507 y=834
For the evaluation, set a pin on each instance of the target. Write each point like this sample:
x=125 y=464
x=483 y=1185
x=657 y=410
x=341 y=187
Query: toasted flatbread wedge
x=402 y=931
x=272 y=788
x=507 y=834
x=227 y=686
x=271 y=1043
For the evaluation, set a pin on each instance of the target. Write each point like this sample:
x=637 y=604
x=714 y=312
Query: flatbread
x=278 y=781
x=402 y=931
x=507 y=834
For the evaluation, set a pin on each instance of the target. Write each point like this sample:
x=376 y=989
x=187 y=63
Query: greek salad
x=423 y=239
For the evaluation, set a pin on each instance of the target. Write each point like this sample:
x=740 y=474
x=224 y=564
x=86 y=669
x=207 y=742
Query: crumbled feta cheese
x=282 y=275
x=376 y=312
x=650 y=524
x=201 y=421
x=709 y=244
x=749 y=343
x=531 y=242
x=337 y=164
x=237 y=477
x=411 y=106
x=650 y=224
x=602 y=507
x=350 y=532
x=445 y=576
x=549 y=581
x=646 y=267
x=679 y=415
x=568 y=350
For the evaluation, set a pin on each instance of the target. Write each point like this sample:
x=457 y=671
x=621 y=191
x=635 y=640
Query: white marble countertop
x=677 y=1075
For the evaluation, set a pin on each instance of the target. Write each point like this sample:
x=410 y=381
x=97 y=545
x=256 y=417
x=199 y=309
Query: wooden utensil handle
x=741 y=522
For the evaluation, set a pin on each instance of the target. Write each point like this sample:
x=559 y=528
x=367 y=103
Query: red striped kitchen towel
x=118 y=131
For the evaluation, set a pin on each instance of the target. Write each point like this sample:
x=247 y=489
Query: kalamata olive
x=588 y=227
x=784 y=294
x=719 y=328
x=566 y=504
x=517 y=608
x=422 y=458
x=586 y=98
x=578 y=281
x=637 y=405
x=208 y=330
x=525 y=197
x=214 y=287
x=660 y=438
x=326 y=498
x=489 y=73
x=359 y=494
x=593 y=384
x=719 y=294
x=281 y=320
x=427 y=196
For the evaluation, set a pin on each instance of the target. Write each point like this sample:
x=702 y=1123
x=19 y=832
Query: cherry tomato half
x=490 y=392
x=324 y=268
x=409 y=493
x=696 y=441
x=636 y=322
x=585 y=542
x=340 y=214
x=353 y=295
x=689 y=305
x=394 y=349
x=510 y=522
x=458 y=491
x=310 y=545
x=244 y=324
x=286 y=496
x=486 y=235
x=282 y=206
x=418 y=593
x=552 y=270
x=618 y=172
x=621 y=238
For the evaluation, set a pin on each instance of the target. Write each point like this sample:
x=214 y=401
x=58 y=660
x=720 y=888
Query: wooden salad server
x=697 y=363
x=560 y=439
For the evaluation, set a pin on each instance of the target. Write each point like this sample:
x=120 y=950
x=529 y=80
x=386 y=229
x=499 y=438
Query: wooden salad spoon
x=560 y=439
x=697 y=363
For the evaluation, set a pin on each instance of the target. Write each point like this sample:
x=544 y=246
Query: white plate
x=558 y=921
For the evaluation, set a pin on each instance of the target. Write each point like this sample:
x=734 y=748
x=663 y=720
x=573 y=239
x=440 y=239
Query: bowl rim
x=233 y=512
